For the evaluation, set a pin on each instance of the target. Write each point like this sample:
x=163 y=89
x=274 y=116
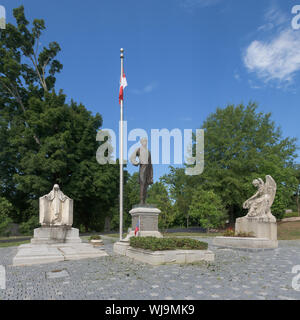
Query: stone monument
x=145 y=216
x=259 y=221
x=56 y=219
x=55 y=240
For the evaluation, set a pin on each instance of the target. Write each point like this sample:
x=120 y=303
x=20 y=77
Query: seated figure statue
x=56 y=209
x=260 y=203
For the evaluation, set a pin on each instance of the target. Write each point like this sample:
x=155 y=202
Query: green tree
x=241 y=144
x=180 y=191
x=158 y=195
x=45 y=140
x=6 y=209
x=207 y=208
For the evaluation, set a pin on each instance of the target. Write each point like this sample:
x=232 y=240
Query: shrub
x=229 y=233
x=95 y=237
x=159 y=244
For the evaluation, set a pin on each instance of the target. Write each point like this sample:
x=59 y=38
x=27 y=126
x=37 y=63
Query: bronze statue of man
x=146 y=169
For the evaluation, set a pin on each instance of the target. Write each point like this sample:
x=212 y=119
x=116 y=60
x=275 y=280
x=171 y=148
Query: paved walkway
x=234 y=275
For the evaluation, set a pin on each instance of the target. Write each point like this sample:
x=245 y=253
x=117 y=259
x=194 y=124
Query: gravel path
x=234 y=275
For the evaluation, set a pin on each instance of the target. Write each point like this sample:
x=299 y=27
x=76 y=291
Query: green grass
x=291 y=215
x=192 y=234
x=288 y=230
x=14 y=237
x=159 y=244
x=12 y=244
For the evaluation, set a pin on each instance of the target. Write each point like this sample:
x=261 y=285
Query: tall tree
x=158 y=195
x=45 y=140
x=242 y=144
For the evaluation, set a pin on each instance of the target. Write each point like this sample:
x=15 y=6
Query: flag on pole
x=123 y=85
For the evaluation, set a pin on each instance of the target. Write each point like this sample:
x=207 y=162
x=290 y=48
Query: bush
x=207 y=208
x=26 y=228
x=230 y=233
x=159 y=244
x=95 y=237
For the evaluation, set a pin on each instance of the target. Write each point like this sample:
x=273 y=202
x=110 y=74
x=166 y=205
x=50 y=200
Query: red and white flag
x=123 y=85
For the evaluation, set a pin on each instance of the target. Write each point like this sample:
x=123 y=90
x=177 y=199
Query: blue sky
x=183 y=58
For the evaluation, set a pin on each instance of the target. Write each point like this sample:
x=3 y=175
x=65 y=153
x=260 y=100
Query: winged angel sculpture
x=260 y=203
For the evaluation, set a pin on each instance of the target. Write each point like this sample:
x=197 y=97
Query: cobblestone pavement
x=261 y=275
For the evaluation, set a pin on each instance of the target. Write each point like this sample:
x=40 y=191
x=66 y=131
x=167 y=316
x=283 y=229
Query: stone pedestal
x=147 y=215
x=263 y=230
x=59 y=234
x=259 y=227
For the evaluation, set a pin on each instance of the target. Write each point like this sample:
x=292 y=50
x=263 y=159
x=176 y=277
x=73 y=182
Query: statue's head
x=144 y=142
x=256 y=183
x=56 y=187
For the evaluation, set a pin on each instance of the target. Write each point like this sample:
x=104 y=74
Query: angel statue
x=260 y=203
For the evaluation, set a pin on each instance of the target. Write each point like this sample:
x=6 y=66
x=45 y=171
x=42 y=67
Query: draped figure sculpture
x=146 y=169
x=56 y=209
x=260 y=203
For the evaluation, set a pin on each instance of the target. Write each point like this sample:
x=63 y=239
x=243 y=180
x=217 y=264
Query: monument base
x=29 y=254
x=55 y=234
x=259 y=227
x=146 y=216
x=263 y=230
x=244 y=243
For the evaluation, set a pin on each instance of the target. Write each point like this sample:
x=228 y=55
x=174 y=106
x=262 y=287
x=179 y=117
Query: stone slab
x=163 y=257
x=49 y=235
x=245 y=243
x=29 y=254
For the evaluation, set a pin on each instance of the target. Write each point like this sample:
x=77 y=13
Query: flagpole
x=121 y=151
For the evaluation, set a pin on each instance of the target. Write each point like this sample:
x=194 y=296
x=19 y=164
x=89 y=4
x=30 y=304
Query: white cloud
x=147 y=89
x=274 y=18
x=199 y=3
x=276 y=59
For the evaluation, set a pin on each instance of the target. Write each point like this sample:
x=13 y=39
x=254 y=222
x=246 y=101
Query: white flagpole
x=121 y=150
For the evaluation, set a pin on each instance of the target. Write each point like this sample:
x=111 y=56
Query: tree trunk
x=298 y=204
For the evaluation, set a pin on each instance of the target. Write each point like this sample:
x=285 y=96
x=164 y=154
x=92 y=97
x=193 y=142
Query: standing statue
x=146 y=169
x=260 y=203
x=56 y=209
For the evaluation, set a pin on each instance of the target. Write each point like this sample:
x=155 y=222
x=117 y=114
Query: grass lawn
x=192 y=234
x=12 y=244
x=288 y=230
x=291 y=215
